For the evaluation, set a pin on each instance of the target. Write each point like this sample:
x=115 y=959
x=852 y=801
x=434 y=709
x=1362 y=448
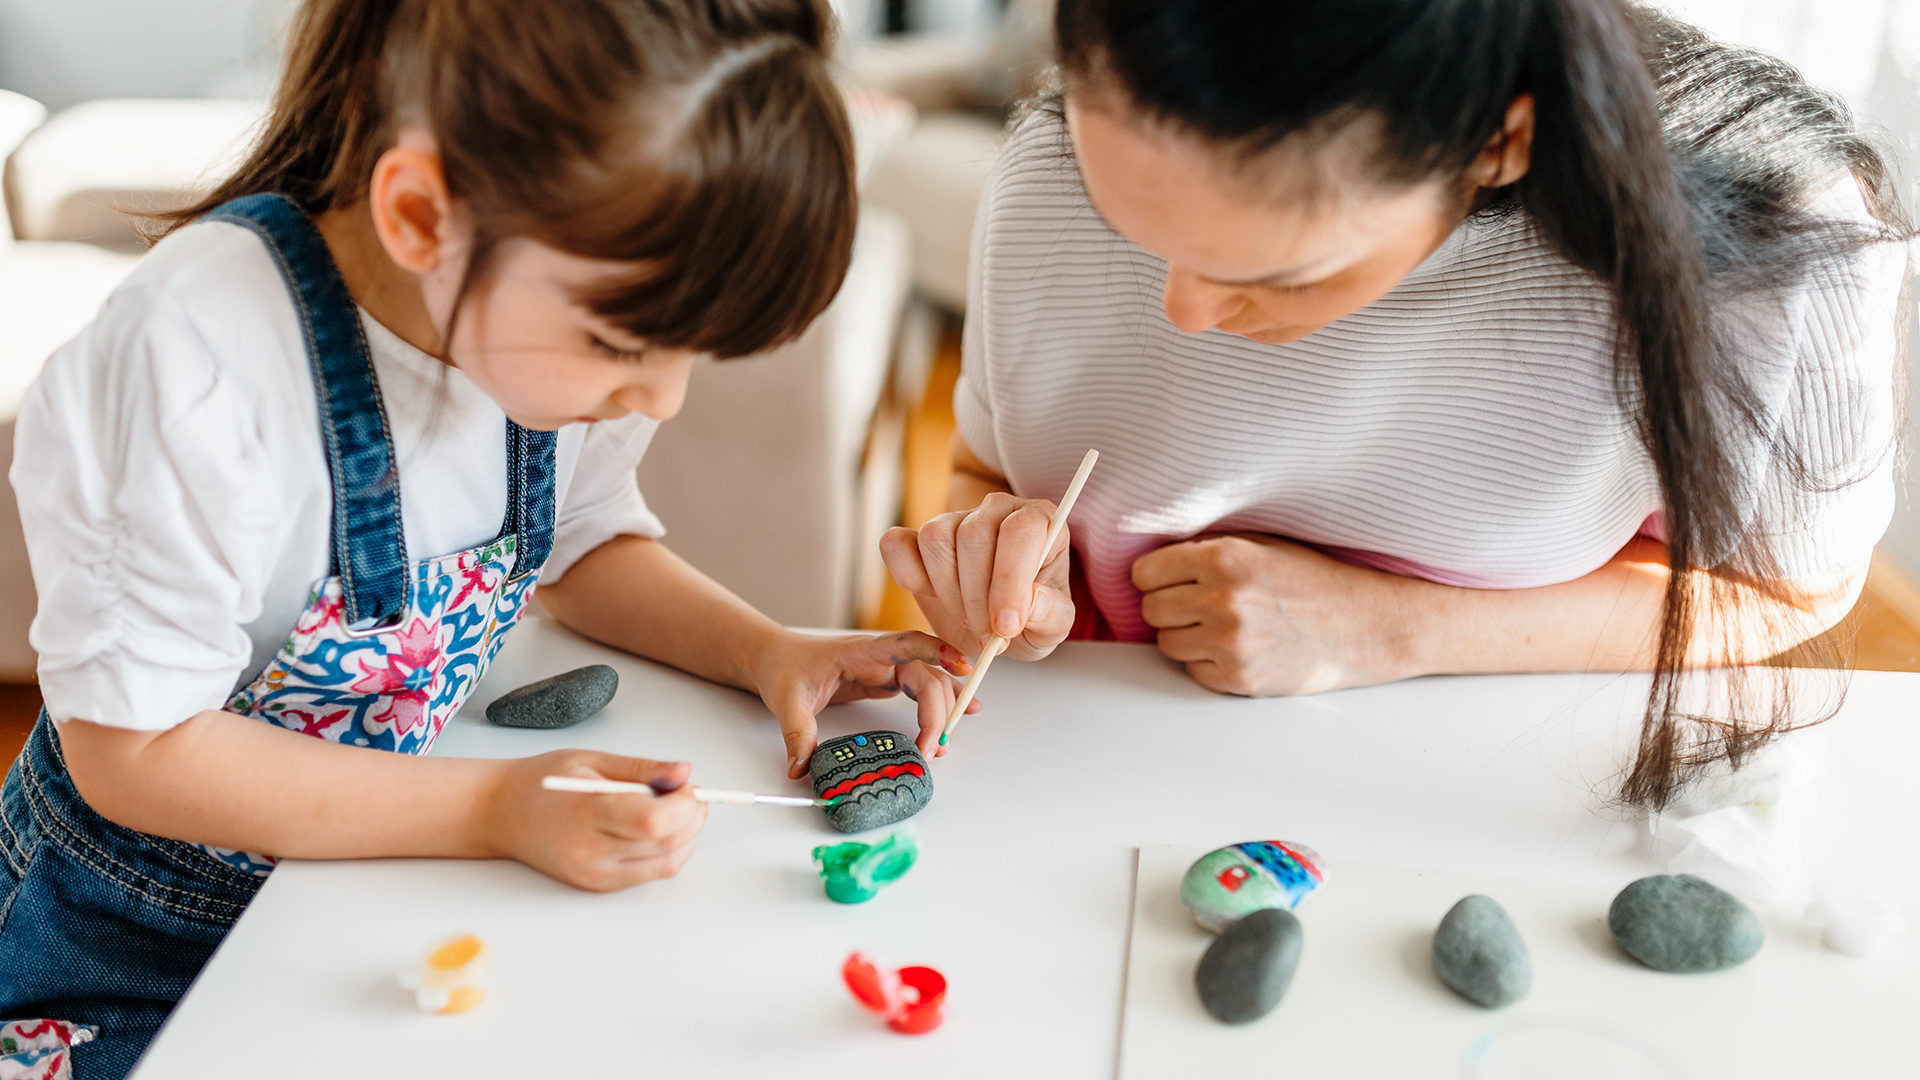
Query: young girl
x=288 y=494
x=1493 y=335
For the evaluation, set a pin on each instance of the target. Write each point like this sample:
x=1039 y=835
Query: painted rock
x=1247 y=968
x=561 y=701
x=1478 y=952
x=1226 y=885
x=856 y=872
x=1683 y=923
x=874 y=779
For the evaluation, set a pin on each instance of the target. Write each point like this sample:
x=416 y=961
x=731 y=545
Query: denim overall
x=106 y=926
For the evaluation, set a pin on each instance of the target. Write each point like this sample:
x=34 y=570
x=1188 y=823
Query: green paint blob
x=856 y=871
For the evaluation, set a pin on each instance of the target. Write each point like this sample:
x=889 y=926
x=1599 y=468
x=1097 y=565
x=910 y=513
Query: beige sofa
x=763 y=481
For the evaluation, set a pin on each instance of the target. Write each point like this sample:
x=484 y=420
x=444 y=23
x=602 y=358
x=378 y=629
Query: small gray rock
x=1248 y=967
x=1683 y=924
x=561 y=701
x=874 y=778
x=1478 y=952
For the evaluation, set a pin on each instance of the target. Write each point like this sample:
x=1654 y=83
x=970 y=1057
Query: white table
x=1023 y=895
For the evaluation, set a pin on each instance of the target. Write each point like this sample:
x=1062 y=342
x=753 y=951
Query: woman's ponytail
x=1604 y=189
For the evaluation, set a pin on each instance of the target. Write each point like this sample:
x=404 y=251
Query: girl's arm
x=635 y=594
x=1257 y=615
x=239 y=783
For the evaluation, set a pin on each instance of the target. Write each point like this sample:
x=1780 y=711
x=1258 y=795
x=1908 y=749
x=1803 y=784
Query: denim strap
x=530 y=496
x=369 y=546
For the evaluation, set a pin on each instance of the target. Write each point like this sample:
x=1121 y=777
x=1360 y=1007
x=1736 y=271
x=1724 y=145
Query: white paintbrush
x=593 y=786
x=995 y=642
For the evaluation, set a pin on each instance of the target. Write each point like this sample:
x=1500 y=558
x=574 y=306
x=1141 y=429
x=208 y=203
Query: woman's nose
x=1194 y=304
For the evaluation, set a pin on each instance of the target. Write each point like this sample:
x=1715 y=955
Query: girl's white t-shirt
x=176 y=500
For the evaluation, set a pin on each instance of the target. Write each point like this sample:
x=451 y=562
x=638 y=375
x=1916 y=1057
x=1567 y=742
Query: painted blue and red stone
x=870 y=780
x=1223 y=886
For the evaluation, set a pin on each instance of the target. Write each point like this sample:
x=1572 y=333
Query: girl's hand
x=600 y=843
x=982 y=572
x=1256 y=615
x=804 y=674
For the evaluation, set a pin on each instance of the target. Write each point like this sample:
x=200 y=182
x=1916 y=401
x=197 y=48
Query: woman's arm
x=1258 y=615
x=240 y=783
x=635 y=594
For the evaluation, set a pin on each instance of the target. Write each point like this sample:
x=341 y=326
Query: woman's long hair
x=1676 y=170
x=703 y=142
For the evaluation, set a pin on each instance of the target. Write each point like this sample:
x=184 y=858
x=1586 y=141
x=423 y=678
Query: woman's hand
x=601 y=843
x=981 y=572
x=803 y=674
x=1257 y=615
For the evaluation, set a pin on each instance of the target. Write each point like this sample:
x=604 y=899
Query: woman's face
x=1240 y=260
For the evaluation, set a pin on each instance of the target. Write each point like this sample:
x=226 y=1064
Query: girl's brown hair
x=702 y=141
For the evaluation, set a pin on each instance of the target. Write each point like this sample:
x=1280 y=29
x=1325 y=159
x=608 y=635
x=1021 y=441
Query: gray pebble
x=1248 y=967
x=1478 y=952
x=1683 y=924
x=875 y=779
x=561 y=701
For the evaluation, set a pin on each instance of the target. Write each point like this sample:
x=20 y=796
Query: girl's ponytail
x=325 y=131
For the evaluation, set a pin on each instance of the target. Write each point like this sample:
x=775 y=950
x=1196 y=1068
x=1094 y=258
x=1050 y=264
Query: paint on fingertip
x=663 y=786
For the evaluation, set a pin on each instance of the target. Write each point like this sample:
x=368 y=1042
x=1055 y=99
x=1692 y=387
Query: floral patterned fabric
x=40 y=1049
x=394 y=688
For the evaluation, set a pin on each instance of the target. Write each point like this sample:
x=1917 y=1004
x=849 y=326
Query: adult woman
x=1414 y=342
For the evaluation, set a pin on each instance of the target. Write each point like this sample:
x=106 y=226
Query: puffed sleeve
x=602 y=498
x=1829 y=494
x=146 y=496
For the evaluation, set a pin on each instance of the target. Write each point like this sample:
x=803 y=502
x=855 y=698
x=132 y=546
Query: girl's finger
x=643 y=819
x=896 y=650
x=935 y=694
x=799 y=732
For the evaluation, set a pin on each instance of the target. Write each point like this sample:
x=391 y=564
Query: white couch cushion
x=67 y=179
x=19 y=115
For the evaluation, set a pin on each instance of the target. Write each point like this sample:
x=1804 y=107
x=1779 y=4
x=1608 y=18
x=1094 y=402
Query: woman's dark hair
x=703 y=141
x=1677 y=170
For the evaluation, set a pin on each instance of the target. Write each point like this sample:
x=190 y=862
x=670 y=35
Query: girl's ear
x=412 y=210
x=1509 y=151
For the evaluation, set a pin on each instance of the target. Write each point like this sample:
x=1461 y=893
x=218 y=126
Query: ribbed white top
x=1466 y=428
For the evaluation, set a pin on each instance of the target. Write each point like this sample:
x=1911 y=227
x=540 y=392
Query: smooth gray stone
x=1247 y=968
x=561 y=701
x=1683 y=924
x=877 y=778
x=1478 y=952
